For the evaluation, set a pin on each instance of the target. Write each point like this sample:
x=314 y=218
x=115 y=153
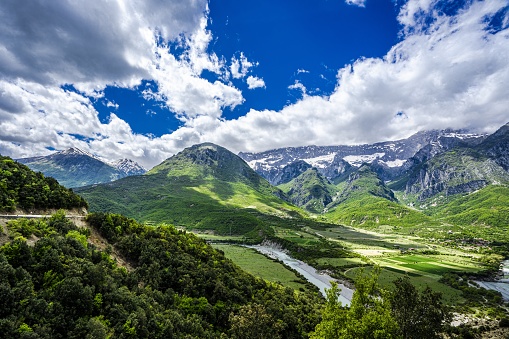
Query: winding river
x=320 y=280
x=501 y=285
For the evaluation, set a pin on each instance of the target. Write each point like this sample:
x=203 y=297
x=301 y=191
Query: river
x=320 y=280
x=501 y=285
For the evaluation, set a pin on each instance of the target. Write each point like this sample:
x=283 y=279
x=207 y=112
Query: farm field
x=388 y=275
x=260 y=266
x=399 y=255
x=424 y=261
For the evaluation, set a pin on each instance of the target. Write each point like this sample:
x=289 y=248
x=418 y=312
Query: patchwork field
x=399 y=255
x=389 y=274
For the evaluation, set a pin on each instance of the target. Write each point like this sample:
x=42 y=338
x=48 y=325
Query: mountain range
x=75 y=168
x=334 y=161
x=208 y=187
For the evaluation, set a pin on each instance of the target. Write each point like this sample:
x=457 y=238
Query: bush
x=504 y=322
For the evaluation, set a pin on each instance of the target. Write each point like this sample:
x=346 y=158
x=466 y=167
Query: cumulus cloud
x=45 y=45
x=452 y=73
x=89 y=44
x=240 y=67
x=255 y=82
x=447 y=71
x=360 y=3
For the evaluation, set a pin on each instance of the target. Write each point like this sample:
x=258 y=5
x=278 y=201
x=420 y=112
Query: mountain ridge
x=330 y=160
x=74 y=167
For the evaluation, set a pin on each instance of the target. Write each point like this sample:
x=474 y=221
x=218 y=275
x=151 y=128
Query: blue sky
x=322 y=37
x=144 y=80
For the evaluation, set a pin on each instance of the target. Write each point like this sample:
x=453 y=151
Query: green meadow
x=261 y=266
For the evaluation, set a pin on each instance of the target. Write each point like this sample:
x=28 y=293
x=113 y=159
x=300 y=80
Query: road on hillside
x=35 y=216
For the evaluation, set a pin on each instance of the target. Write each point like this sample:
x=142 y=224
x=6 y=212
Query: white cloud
x=255 y=82
x=445 y=72
x=44 y=45
x=360 y=3
x=453 y=74
x=299 y=86
x=240 y=67
x=111 y=104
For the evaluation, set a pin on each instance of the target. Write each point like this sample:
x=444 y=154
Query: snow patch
x=358 y=160
x=76 y=151
x=321 y=161
x=462 y=135
x=395 y=163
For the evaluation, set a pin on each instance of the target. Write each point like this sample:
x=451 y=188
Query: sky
x=145 y=79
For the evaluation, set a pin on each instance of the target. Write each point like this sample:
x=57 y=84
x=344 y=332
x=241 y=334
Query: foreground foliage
x=177 y=286
x=378 y=313
x=21 y=188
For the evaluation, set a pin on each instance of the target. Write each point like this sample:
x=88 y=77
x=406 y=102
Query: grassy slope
x=371 y=211
x=260 y=266
x=310 y=190
x=365 y=201
x=197 y=190
x=484 y=213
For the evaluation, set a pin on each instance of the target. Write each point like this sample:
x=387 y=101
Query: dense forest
x=178 y=287
x=21 y=188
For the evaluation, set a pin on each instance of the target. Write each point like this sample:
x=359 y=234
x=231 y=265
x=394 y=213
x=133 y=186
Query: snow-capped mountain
x=330 y=160
x=128 y=166
x=74 y=167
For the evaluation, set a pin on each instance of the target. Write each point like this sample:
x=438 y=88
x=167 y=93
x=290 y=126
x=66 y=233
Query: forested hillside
x=21 y=188
x=178 y=287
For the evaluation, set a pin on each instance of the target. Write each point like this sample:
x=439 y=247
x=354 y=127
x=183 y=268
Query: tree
x=253 y=322
x=369 y=315
x=419 y=315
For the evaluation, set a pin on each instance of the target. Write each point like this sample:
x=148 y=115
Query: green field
x=339 y=262
x=260 y=266
x=388 y=275
x=424 y=261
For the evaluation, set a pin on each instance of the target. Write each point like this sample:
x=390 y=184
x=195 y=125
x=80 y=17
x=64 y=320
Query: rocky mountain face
x=496 y=146
x=461 y=170
x=128 y=167
x=290 y=172
x=450 y=166
x=426 y=165
x=334 y=161
x=76 y=168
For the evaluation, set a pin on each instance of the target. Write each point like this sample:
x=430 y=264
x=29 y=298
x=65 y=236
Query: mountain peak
x=74 y=167
x=76 y=151
x=128 y=166
x=207 y=159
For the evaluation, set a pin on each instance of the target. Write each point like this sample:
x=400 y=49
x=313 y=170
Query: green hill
x=482 y=214
x=23 y=189
x=203 y=187
x=310 y=190
x=366 y=201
